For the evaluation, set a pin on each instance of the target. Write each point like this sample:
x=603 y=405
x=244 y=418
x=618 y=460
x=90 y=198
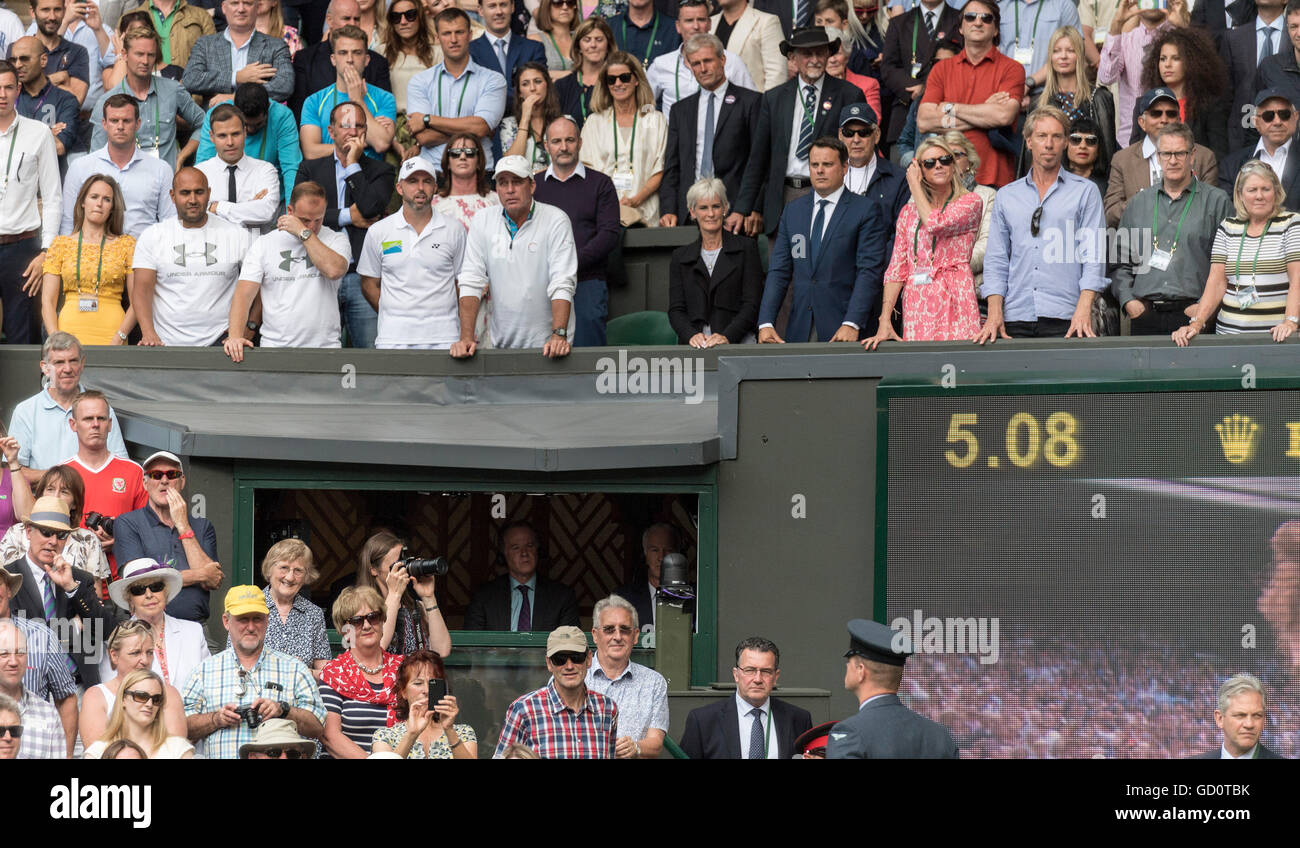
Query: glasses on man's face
x=1173 y=155
x=626 y=76
x=1162 y=113
x=144 y=697
x=563 y=658
x=164 y=475
x=611 y=629
x=755 y=671
x=14 y=730
x=1084 y=138
x=1035 y=222
x=945 y=160
x=138 y=589
x=1272 y=115
x=982 y=17
x=371 y=618
x=859 y=132
x=462 y=152
x=409 y=15
x=58 y=534
x=282 y=753
x=349 y=127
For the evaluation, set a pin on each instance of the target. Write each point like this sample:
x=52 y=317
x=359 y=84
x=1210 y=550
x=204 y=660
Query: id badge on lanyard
x=1247 y=296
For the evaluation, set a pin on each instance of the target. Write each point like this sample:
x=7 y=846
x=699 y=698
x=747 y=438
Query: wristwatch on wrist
x=426 y=122
x=303 y=235
x=562 y=332
x=253 y=325
x=1294 y=319
x=948 y=107
x=284 y=709
x=121 y=335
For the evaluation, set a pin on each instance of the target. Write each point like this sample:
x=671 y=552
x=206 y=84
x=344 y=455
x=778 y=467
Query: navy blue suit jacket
x=845 y=282
x=518 y=51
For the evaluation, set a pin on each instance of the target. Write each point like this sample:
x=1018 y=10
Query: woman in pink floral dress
x=932 y=248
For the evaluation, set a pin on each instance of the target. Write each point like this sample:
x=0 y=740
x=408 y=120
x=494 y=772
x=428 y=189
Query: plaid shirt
x=541 y=721
x=43 y=736
x=217 y=682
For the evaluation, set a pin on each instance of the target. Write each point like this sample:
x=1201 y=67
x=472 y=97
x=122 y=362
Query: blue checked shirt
x=217 y=682
x=641 y=695
x=541 y=721
x=43 y=736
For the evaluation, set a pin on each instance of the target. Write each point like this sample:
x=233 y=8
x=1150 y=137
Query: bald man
x=186 y=268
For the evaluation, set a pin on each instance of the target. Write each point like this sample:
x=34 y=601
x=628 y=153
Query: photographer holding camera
x=410 y=623
x=232 y=692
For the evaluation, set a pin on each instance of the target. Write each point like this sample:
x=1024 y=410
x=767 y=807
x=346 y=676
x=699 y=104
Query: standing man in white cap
x=164 y=530
x=528 y=257
x=409 y=263
x=564 y=720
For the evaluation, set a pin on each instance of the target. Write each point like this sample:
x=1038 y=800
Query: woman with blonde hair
x=1068 y=88
x=130 y=648
x=358 y=687
x=625 y=137
x=270 y=21
x=932 y=247
x=137 y=715
x=968 y=164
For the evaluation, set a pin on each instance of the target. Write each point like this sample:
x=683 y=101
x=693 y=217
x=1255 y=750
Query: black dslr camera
x=418 y=568
x=96 y=521
x=250 y=716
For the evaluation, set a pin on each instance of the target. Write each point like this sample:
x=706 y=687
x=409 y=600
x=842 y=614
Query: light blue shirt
x=146 y=189
x=743 y=710
x=340 y=174
x=276 y=143
x=45 y=438
x=238 y=55
x=517 y=599
x=1042 y=276
x=1280 y=39
x=477 y=92
x=1052 y=15
x=641 y=695
x=316 y=111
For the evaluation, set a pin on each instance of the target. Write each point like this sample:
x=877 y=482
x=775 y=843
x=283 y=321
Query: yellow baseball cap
x=241 y=600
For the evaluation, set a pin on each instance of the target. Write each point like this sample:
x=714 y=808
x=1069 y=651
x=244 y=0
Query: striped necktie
x=806 y=122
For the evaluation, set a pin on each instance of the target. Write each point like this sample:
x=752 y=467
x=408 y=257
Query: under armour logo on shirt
x=288 y=260
x=209 y=254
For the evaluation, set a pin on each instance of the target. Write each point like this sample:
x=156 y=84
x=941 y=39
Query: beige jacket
x=647 y=157
x=756 y=39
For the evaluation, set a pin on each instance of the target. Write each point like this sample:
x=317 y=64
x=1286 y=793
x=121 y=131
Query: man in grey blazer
x=882 y=727
x=220 y=62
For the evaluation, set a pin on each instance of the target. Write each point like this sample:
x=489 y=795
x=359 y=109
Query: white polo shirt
x=196 y=269
x=300 y=306
x=417 y=273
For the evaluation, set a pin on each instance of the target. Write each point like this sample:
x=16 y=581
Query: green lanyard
x=631 y=152
x=1245 y=234
x=99 y=272
x=916 y=26
x=677 y=75
x=1033 y=31
x=934 y=240
x=564 y=66
x=157 y=120
x=1155 y=242
x=13 y=142
x=464 y=88
x=266 y=131
x=653 y=31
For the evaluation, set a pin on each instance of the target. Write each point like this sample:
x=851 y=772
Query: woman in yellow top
x=92 y=267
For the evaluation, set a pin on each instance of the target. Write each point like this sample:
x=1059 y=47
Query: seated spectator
x=657 y=541
x=640 y=693
x=587 y=196
x=500 y=50
x=92 y=294
x=1083 y=155
x=49 y=670
x=870 y=174
x=756 y=37
x=219 y=63
x=1281 y=71
x=589 y=728
x=837 y=278
x=1126 y=47
x=1243 y=48
x=622 y=109
x=247 y=677
x=1137 y=167
x=1251 y=300
x=185 y=24
x=521 y=600
x=535 y=106
x=14 y=489
x=735 y=108
x=425 y=731
x=138 y=19
x=137 y=715
x=557 y=20
x=991 y=83
x=409 y=265
x=145 y=180
x=643 y=32
x=350 y=57
x=435 y=101
x=270 y=134
x=533 y=289
x=593 y=41
x=313 y=68
x=129 y=648
x=296 y=271
x=672 y=77
x=1184 y=61
x=371 y=12
x=1276 y=120
x=715 y=283
x=1160 y=290
x=903 y=66
x=245 y=190
x=411 y=623
x=410 y=48
x=72 y=60
x=40 y=730
x=1067 y=87
x=347 y=174
x=463 y=182
x=1033 y=40
x=277 y=739
x=295 y=625
x=88 y=27
x=145 y=589
x=161 y=103
x=178 y=301
x=11 y=724
x=861 y=40
x=1030 y=291
x=40 y=100
x=359 y=687
x=82 y=549
x=933 y=273
x=270 y=21
x=837 y=65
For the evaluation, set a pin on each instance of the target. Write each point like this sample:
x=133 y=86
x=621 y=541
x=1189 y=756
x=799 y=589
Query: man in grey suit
x=883 y=728
x=218 y=63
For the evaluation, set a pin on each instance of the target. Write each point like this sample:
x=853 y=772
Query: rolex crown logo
x=1237 y=437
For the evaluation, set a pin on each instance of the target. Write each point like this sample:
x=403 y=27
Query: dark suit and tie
x=898 y=57
x=370 y=190
x=1209 y=15
x=1262 y=752
x=518 y=50
x=786 y=10
x=736 y=111
x=554 y=605
x=713 y=732
x=1242 y=54
x=1290 y=176
x=313 y=70
x=97 y=621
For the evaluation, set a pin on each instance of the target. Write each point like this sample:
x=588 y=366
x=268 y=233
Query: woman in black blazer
x=716 y=282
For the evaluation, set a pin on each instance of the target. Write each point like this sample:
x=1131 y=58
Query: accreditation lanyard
x=1254 y=265
x=157 y=114
x=266 y=131
x=934 y=240
x=916 y=27
x=9 y=161
x=1155 y=242
x=464 y=88
x=677 y=76
x=631 y=151
x=99 y=271
x=1033 y=32
x=564 y=66
x=649 y=48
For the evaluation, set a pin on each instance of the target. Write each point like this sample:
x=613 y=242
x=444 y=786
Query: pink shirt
x=1121 y=61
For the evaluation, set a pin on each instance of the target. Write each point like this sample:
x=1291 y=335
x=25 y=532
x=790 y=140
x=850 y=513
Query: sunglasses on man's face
x=1271 y=115
x=285 y=753
x=409 y=15
x=372 y=618
x=563 y=658
x=1082 y=138
x=1162 y=113
x=462 y=152
x=138 y=589
x=982 y=17
x=143 y=697
x=14 y=730
x=859 y=132
x=1035 y=222
x=58 y=534
x=626 y=76
x=164 y=475
x=945 y=160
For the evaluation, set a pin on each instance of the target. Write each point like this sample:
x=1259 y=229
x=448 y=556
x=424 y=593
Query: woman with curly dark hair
x=1185 y=60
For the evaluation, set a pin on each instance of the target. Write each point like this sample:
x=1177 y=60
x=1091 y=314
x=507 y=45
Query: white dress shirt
x=671 y=78
x=1277 y=161
x=1153 y=161
x=252 y=177
x=718 y=94
x=794 y=166
x=1224 y=755
x=30 y=164
x=832 y=200
x=743 y=709
x=418 y=306
x=1280 y=40
x=300 y=306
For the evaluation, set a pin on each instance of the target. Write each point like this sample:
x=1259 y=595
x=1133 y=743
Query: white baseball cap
x=516 y=165
x=414 y=165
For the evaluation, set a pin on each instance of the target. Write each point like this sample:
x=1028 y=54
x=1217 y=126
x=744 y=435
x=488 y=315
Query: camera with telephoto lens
x=250 y=716
x=96 y=521
x=418 y=568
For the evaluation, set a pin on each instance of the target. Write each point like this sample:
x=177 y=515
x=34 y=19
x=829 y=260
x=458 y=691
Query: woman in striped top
x=1254 y=265
x=358 y=686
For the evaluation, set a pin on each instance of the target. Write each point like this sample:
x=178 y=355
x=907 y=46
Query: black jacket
x=554 y=606
x=370 y=190
x=713 y=731
x=727 y=300
x=97 y=620
x=733 y=132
